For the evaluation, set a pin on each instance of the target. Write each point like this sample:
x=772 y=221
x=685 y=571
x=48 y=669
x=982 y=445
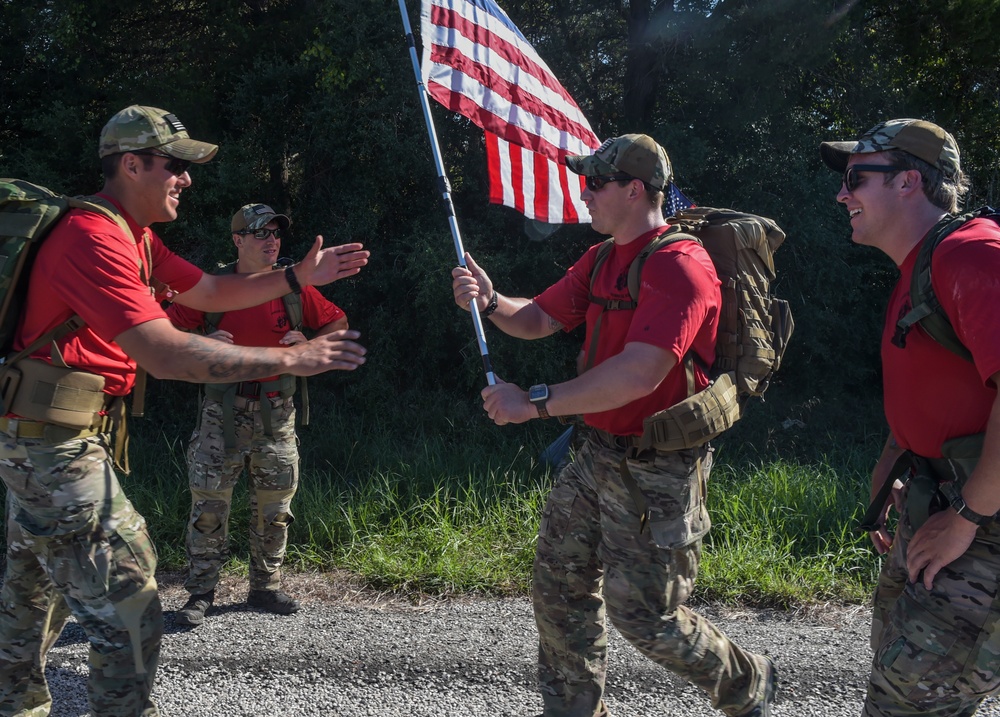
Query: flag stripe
x=504 y=54
x=477 y=63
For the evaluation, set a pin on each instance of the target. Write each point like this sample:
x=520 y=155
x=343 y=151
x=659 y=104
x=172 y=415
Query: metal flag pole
x=445 y=188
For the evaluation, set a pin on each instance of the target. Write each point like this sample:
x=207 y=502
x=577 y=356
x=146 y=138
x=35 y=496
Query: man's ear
x=912 y=180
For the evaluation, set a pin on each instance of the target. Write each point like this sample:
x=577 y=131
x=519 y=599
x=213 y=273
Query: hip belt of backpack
x=249 y=396
x=933 y=483
x=55 y=403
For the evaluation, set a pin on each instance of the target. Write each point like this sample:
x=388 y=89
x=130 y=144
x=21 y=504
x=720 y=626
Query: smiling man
x=935 y=624
x=75 y=544
x=595 y=552
x=248 y=424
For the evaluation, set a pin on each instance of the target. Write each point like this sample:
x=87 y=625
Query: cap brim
x=264 y=219
x=589 y=165
x=191 y=150
x=836 y=154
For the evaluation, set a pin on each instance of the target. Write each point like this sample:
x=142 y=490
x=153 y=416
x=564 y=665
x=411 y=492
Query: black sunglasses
x=175 y=166
x=596 y=183
x=261 y=233
x=852 y=180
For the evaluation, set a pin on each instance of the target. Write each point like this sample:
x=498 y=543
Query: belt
x=611 y=440
x=246 y=403
x=50 y=432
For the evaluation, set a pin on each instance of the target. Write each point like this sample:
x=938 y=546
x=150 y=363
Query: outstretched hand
x=322 y=266
x=336 y=351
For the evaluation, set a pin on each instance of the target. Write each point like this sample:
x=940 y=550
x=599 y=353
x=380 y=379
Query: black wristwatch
x=538 y=395
x=958 y=503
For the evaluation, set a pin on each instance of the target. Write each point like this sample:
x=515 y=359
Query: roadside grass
x=444 y=516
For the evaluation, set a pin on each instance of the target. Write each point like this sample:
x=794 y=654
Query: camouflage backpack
x=754 y=326
x=927 y=310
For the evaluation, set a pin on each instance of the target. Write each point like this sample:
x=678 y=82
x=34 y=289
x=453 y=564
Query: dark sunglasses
x=596 y=183
x=175 y=166
x=852 y=180
x=261 y=233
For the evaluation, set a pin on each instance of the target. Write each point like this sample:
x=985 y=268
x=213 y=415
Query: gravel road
x=348 y=654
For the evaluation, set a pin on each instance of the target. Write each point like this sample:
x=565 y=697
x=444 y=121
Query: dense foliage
x=316 y=111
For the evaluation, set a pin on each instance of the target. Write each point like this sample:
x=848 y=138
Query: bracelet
x=490 y=307
x=293 y=282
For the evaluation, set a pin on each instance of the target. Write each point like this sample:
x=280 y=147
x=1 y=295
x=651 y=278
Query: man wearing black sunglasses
x=248 y=424
x=936 y=616
x=75 y=544
x=595 y=550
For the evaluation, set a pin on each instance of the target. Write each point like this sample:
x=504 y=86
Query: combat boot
x=275 y=601
x=193 y=612
x=764 y=708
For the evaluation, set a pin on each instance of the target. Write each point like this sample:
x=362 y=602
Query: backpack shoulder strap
x=926 y=308
x=293 y=307
x=671 y=236
x=210 y=324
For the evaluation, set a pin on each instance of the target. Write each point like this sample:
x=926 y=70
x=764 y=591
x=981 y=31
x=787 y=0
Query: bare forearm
x=523 y=318
x=203 y=360
x=982 y=490
x=632 y=374
x=229 y=292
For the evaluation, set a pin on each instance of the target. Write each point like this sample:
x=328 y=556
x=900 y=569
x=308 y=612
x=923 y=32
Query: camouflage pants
x=592 y=558
x=213 y=470
x=937 y=652
x=75 y=545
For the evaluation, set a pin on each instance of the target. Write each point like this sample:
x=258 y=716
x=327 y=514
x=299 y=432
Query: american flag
x=477 y=63
x=674 y=200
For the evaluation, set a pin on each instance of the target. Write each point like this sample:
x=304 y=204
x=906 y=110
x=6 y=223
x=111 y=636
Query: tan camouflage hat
x=637 y=155
x=256 y=216
x=924 y=140
x=137 y=127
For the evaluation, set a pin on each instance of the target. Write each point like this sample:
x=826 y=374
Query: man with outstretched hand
x=249 y=425
x=75 y=544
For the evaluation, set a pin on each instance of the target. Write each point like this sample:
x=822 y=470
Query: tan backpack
x=754 y=326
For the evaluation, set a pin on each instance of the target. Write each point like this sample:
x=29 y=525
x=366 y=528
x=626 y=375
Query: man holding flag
x=595 y=552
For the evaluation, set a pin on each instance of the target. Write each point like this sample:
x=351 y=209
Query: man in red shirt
x=248 y=424
x=593 y=553
x=935 y=625
x=75 y=544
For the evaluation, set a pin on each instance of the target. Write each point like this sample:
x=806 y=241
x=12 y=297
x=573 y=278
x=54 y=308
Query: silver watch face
x=539 y=392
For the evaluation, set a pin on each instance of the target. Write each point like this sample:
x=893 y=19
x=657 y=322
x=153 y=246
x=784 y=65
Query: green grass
x=454 y=506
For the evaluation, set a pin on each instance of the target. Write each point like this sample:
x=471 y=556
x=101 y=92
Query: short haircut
x=111 y=163
x=942 y=191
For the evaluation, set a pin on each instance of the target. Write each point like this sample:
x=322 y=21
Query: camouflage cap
x=137 y=127
x=637 y=155
x=924 y=140
x=251 y=217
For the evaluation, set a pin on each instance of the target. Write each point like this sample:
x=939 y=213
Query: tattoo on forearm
x=227 y=362
x=555 y=325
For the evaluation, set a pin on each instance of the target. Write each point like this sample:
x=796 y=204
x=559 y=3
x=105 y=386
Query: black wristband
x=293 y=282
x=490 y=307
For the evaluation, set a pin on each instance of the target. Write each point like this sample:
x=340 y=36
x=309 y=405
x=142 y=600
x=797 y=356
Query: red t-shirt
x=678 y=310
x=87 y=266
x=265 y=324
x=931 y=394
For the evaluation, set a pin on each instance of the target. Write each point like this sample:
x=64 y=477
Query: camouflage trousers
x=937 y=652
x=272 y=463
x=592 y=560
x=75 y=545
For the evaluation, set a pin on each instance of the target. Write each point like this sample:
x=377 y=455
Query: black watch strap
x=490 y=307
x=293 y=282
x=958 y=503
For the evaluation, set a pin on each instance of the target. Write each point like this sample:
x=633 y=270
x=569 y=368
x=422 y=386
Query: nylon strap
x=870 y=521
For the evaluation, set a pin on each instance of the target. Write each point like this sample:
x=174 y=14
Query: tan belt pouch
x=68 y=397
x=695 y=420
